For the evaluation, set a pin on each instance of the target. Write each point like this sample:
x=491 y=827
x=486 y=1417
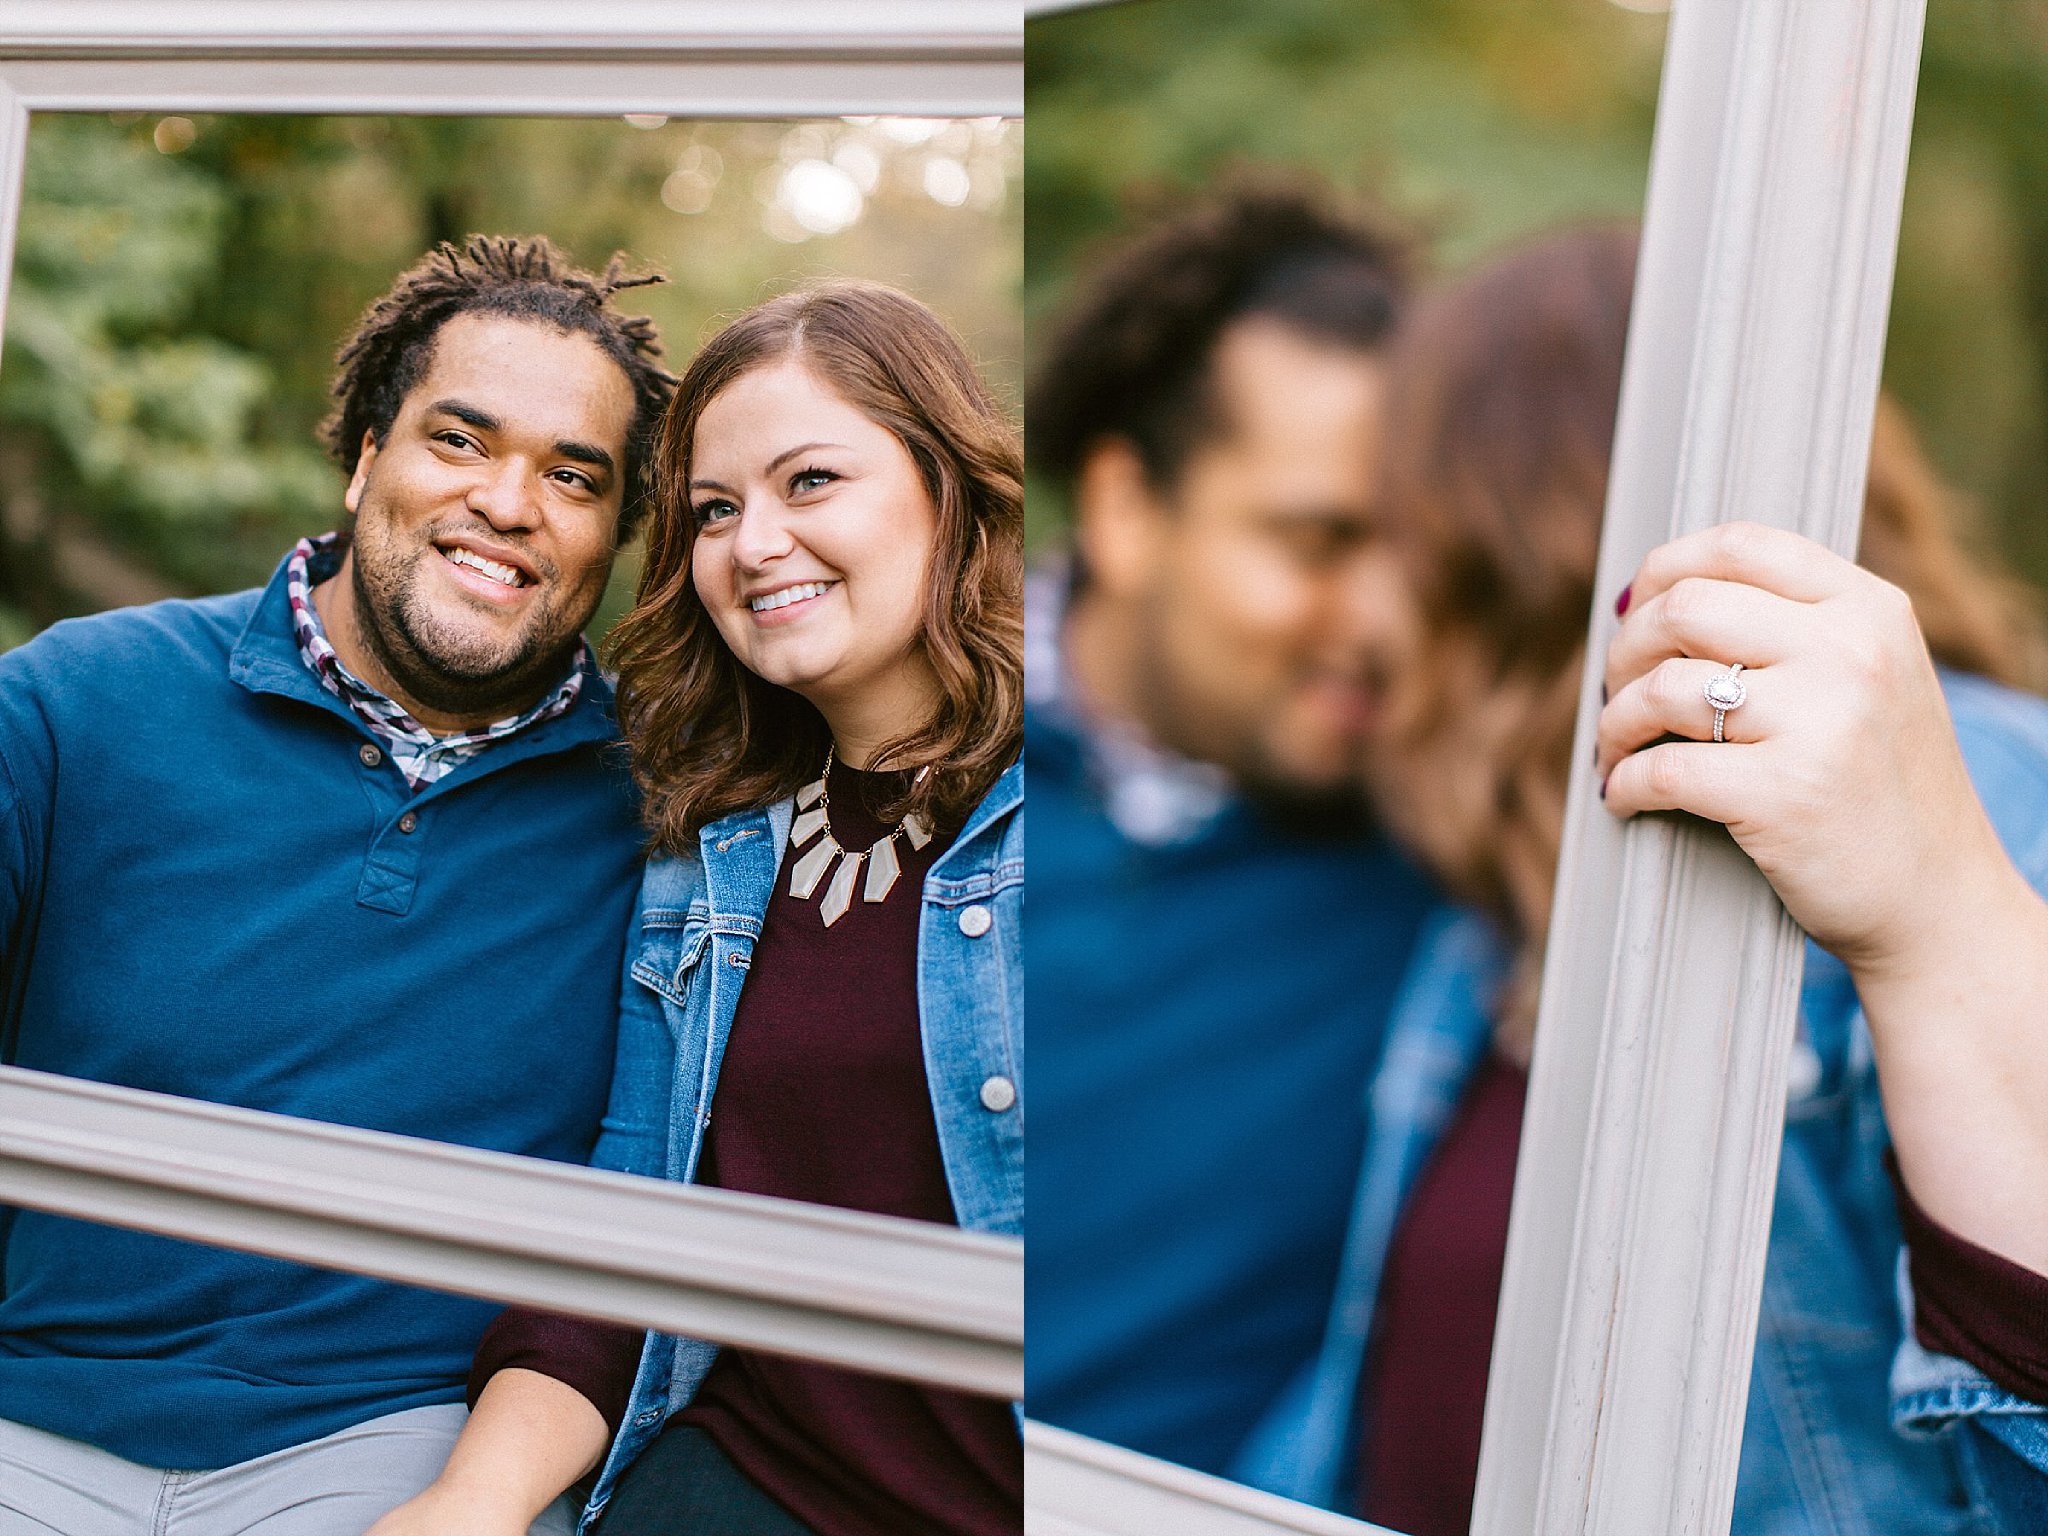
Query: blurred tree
x=127 y=456
x=1969 y=339
x=1481 y=122
x=181 y=284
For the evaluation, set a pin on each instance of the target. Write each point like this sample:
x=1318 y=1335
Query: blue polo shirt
x=213 y=883
x=1205 y=1015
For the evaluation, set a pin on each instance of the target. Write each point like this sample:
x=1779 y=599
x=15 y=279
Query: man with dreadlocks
x=351 y=848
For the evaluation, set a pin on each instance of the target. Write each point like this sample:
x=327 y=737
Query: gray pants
x=335 y=1486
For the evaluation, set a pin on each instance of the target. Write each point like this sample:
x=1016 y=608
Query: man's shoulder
x=82 y=685
x=1051 y=744
x=137 y=647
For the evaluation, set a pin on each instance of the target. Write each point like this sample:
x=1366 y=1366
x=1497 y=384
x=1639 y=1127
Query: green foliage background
x=1484 y=121
x=180 y=286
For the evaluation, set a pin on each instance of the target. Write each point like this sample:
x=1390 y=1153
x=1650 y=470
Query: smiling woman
x=894 y=475
x=814 y=571
x=822 y=672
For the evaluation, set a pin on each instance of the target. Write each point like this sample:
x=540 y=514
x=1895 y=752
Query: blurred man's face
x=1264 y=612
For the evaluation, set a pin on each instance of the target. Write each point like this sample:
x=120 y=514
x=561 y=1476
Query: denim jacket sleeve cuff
x=1972 y=1303
x=1930 y=1391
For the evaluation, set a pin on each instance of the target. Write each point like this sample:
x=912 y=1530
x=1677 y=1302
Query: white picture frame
x=901 y=1298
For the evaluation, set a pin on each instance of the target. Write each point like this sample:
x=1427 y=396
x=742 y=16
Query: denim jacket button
x=976 y=921
x=998 y=1093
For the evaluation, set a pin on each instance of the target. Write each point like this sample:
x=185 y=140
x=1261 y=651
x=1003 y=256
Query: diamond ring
x=1726 y=692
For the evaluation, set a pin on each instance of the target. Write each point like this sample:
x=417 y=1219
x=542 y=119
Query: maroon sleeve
x=597 y=1359
x=1971 y=1303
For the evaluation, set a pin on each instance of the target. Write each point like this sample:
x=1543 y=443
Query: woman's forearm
x=1836 y=766
x=528 y=1438
x=1960 y=1028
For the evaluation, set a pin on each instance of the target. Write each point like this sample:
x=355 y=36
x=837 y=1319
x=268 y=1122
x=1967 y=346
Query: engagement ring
x=1726 y=692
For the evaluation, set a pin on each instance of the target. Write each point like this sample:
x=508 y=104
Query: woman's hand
x=445 y=1511
x=1840 y=775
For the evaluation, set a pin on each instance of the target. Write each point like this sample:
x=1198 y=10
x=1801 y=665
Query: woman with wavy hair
x=1840 y=773
x=821 y=685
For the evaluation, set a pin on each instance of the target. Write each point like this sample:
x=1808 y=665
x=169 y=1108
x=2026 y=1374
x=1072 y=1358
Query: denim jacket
x=686 y=960
x=1837 y=1373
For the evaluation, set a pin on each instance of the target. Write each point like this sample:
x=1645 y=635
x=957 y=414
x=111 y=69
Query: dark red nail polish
x=1621 y=602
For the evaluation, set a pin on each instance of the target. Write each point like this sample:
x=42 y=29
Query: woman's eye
x=811 y=480
x=714 y=511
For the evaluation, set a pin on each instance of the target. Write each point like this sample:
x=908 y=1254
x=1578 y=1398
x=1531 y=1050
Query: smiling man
x=355 y=847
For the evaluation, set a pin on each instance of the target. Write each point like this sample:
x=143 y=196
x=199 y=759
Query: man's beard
x=445 y=672
x=1300 y=807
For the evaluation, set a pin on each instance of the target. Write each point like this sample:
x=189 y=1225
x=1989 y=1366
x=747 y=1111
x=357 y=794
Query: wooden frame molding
x=1656 y=1106
x=1076 y=1486
x=1033 y=9
x=902 y=1298
x=932 y=29
x=698 y=58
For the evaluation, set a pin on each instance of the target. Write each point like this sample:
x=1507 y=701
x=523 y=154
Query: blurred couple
x=1300 y=703
x=363 y=847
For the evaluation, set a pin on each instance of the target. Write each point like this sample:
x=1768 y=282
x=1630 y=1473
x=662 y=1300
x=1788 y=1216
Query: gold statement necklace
x=814 y=821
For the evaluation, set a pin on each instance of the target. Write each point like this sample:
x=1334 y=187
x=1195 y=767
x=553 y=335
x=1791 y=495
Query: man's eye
x=455 y=439
x=577 y=478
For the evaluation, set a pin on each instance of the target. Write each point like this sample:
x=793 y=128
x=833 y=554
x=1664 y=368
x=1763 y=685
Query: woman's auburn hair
x=707 y=736
x=1500 y=423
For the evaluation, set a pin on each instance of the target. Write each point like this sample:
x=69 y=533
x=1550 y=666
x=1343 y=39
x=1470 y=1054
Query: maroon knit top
x=1975 y=1304
x=1424 y=1392
x=822 y=1097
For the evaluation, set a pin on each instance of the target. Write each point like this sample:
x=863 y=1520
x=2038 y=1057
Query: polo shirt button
x=998 y=1094
x=370 y=755
x=976 y=921
x=408 y=821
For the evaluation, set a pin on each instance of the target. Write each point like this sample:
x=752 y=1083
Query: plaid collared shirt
x=420 y=755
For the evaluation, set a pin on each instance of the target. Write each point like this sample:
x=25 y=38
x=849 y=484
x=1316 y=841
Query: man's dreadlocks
x=524 y=279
